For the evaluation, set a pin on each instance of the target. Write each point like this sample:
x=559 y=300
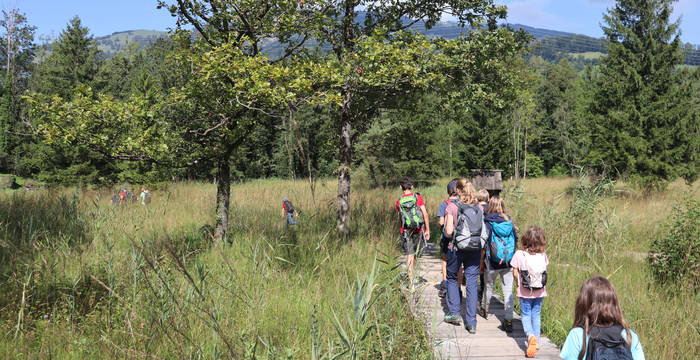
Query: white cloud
x=531 y=12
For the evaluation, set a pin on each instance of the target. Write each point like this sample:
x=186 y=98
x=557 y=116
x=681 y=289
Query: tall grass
x=83 y=280
x=607 y=230
x=148 y=282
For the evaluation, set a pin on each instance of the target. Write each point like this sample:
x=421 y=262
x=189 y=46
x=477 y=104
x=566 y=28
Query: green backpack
x=411 y=216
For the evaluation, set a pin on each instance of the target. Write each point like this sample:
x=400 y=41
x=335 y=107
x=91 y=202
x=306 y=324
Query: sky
x=585 y=16
x=104 y=17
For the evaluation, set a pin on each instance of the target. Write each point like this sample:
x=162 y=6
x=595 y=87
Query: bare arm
x=427 y=222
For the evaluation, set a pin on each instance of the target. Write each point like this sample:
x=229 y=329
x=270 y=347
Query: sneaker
x=483 y=313
x=508 y=326
x=442 y=293
x=453 y=319
x=471 y=329
x=531 y=346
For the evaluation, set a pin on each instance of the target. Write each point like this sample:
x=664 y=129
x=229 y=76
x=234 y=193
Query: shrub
x=675 y=257
x=559 y=170
x=535 y=166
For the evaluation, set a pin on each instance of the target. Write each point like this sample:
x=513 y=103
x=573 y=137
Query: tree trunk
x=343 y=221
x=223 y=197
x=525 y=156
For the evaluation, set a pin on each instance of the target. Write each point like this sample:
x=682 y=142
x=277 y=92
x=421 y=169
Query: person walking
x=145 y=196
x=500 y=248
x=530 y=272
x=482 y=196
x=415 y=224
x=289 y=212
x=599 y=328
x=464 y=225
x=452 y=197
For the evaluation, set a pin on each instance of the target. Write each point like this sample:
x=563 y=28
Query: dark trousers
x=470 y=261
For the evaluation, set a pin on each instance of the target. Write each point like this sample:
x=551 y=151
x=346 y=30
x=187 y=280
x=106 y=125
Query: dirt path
x=454 y=342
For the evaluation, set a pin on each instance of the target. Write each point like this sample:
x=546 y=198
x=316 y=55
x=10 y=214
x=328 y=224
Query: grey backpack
x=467 y=235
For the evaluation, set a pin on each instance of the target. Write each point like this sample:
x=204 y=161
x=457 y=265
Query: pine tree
x=643 y=125
x=74 y=60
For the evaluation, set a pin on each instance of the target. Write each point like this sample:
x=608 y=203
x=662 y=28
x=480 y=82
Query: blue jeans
x=291 y=221
x=470 y=261
x=530 y=310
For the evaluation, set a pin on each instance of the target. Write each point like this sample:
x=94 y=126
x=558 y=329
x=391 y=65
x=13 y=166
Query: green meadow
x=81 y=279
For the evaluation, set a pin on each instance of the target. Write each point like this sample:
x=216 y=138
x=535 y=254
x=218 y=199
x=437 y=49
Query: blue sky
x=585 y=16
x=104 y=17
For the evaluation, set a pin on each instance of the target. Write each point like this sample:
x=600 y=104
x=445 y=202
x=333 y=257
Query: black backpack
x=288 y=205
x=607 y=343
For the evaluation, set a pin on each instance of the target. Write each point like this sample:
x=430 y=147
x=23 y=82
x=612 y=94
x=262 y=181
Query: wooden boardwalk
x=454 y=342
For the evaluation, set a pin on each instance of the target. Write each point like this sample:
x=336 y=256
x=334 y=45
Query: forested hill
x=118 y=41
x=550 y=44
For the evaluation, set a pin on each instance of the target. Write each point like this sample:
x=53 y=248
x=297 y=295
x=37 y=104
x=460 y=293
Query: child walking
x=530 y=272
x=598 y=318
x=500 y=249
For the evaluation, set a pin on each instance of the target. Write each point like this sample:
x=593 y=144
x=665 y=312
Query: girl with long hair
x=469 y=211
x=598 y=319
x=501 y=226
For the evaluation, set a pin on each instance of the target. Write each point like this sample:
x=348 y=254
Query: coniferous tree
x=74 y=60
x=643 y=125
x=71 y=66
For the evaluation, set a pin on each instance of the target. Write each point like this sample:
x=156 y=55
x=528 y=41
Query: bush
x=535 y=166
x=559 y=170
x=675 y=257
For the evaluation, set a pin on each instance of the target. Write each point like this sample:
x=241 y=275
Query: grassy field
x=82 y=280
x=610 y=235
x=590 y=55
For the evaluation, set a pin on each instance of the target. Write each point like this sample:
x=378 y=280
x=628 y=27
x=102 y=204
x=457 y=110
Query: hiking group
x=479 y=244
x=124 y=196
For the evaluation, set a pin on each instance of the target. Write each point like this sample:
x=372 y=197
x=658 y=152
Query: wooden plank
x=453 y=342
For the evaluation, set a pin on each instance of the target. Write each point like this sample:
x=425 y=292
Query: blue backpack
x=501 y=247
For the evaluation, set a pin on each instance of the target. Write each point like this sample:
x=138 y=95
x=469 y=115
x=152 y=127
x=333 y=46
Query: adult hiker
x=145 y=196
x=500 y=248
x=452 y=196
x=289 y=212
x=464 y=224
x=115 y=198
x=415 y=224
x=123 y=193
x=482 y=196
x=600 y=330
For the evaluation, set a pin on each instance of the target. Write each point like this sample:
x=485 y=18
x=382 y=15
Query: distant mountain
x=118 y=41
x=550 y=44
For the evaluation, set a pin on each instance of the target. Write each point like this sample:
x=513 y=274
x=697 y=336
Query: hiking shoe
x=508 y=326
x=483 y=313
x=453 y=319
x=442 y=293
x=531 y=346
x=471 y=329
